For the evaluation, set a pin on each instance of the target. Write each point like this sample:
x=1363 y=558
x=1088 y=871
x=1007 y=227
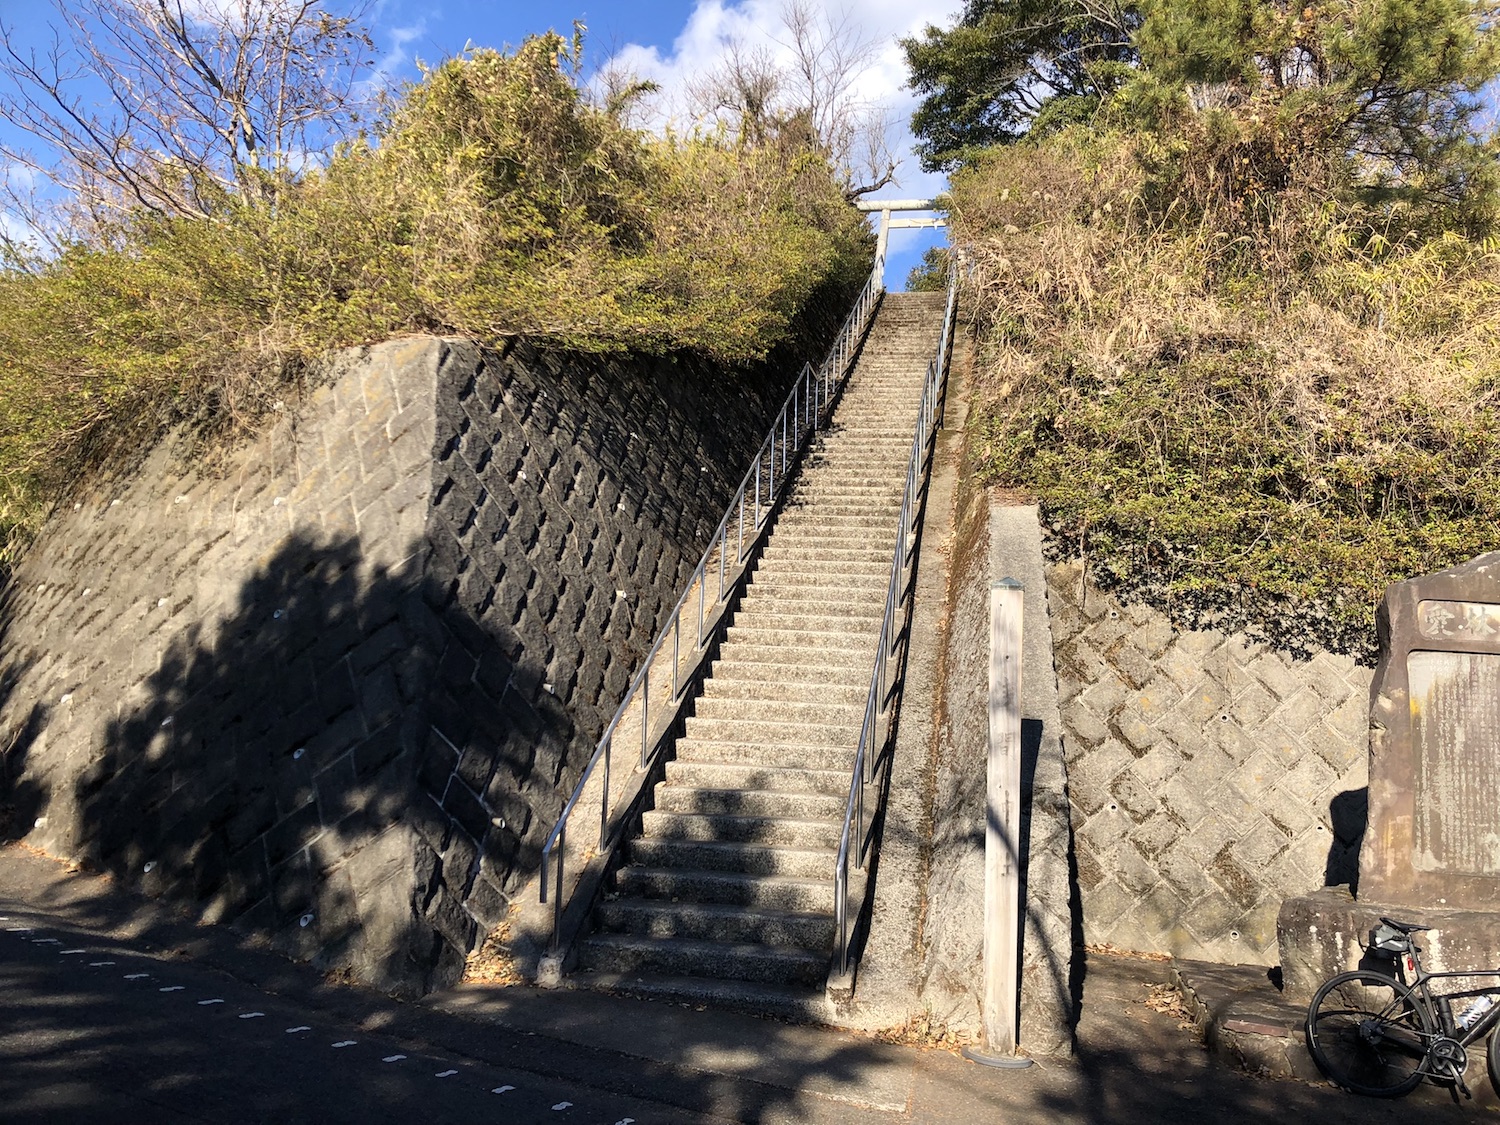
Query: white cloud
x=716 y=26
x=397 y=59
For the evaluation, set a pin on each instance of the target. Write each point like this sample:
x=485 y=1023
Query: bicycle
x=1373 y=1033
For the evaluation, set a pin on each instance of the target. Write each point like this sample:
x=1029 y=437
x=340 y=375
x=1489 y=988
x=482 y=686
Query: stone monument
x=1431 y=848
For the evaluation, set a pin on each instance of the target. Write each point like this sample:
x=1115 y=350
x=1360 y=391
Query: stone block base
x=1325 y=933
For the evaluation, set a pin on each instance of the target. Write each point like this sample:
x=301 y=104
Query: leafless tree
x=163 y=105
x=807 y=87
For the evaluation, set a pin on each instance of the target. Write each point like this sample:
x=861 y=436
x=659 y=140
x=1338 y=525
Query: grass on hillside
x=1249 y=425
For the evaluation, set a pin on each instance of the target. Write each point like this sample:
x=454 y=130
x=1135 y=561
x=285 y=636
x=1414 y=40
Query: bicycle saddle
x=1405 y=927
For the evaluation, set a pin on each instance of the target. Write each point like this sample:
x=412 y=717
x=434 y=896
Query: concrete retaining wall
x=335 y=688
x=1211 y=777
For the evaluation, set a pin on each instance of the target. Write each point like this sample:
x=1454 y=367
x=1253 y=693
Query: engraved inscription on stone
x=1455 y=712
x=1477 y=621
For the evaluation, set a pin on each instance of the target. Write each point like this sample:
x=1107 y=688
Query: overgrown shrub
x=1256 y=427
x=493 y=200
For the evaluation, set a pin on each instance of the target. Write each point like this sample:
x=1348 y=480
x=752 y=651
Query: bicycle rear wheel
x=1369 y=1034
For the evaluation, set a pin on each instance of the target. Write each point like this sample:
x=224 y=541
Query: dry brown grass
x=1230 y=418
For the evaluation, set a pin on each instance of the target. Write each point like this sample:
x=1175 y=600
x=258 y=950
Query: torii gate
x=887 y=224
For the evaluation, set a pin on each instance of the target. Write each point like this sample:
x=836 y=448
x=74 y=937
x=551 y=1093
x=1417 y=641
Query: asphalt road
x=93 y=1031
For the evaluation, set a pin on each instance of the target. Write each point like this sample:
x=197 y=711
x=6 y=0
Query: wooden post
x=1001 y=1009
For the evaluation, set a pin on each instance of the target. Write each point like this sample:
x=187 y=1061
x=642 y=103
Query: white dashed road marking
x=172 y=988
x=66 y=952
x=393 y=1058
x=99 y=964
x=294 y=1030
x=445 y=1074
x=206 y=1003
x=502 y=1089
x=251 y=1015
x=136 y=976
x=346 y=1042
x=563 y=1105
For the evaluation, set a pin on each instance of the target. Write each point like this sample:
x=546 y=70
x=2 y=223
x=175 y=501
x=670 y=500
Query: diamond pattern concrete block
x=1260 y=843
x=1273 y=670
x=1307 y=781
x=1136 y=731
x=1252 y=707
x=1185 y=875
x=1300 y=712
x=1198 y=645
x=1212 y=834
x=1187 y=802
x=1158 y=833
x=1295 y=818
x=1351 y=718
x=1236 y=742
x=1158 y=766
x=1113 y=907
x=1241 y=649
x=1133 y=797
x=1203 y=702
x=1182 y=666
x=1086 y=726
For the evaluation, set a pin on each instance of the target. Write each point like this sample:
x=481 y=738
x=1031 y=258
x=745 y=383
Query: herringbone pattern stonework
x=1205 y=773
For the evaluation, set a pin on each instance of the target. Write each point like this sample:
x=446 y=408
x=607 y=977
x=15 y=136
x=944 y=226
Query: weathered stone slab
x=1434 y=809
x=1326 y=933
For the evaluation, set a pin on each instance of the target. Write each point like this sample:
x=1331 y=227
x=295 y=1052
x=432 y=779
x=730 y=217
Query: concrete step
x=751 y=802
x=765 y=589
x=822 y=663
x=633 y=953
x=886 y=509
x=867 y=541
x=717 y=923
x=763 y=610
x=784 y=831
x=725 y=684
x=775 y=734
x=773 y=892
x=826 y=777
x=858 y=620
x=801 y=1005
x=842 y=639
x=830 y=714
x=796 y=755
x=819 y=553
x=742 y=856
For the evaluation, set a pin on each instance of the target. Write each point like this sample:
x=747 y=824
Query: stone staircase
x=726 y=896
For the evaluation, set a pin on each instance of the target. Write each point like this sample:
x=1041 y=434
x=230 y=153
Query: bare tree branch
x=166 y=105
x=809 y=97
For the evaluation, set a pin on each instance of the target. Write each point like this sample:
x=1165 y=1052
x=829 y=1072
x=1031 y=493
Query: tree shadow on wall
x=265 y=774
x=22 y=797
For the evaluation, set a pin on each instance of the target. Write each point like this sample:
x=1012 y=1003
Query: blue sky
x=666 y=40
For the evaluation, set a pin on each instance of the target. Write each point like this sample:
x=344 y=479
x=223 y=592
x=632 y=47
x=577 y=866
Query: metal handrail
x=897 y=601
x=802 y=414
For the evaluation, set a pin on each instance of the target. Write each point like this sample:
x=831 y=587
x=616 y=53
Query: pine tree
x=1010 y=67
x=1388 y=90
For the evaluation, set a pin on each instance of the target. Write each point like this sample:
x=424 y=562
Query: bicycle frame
x=1441 y=1004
